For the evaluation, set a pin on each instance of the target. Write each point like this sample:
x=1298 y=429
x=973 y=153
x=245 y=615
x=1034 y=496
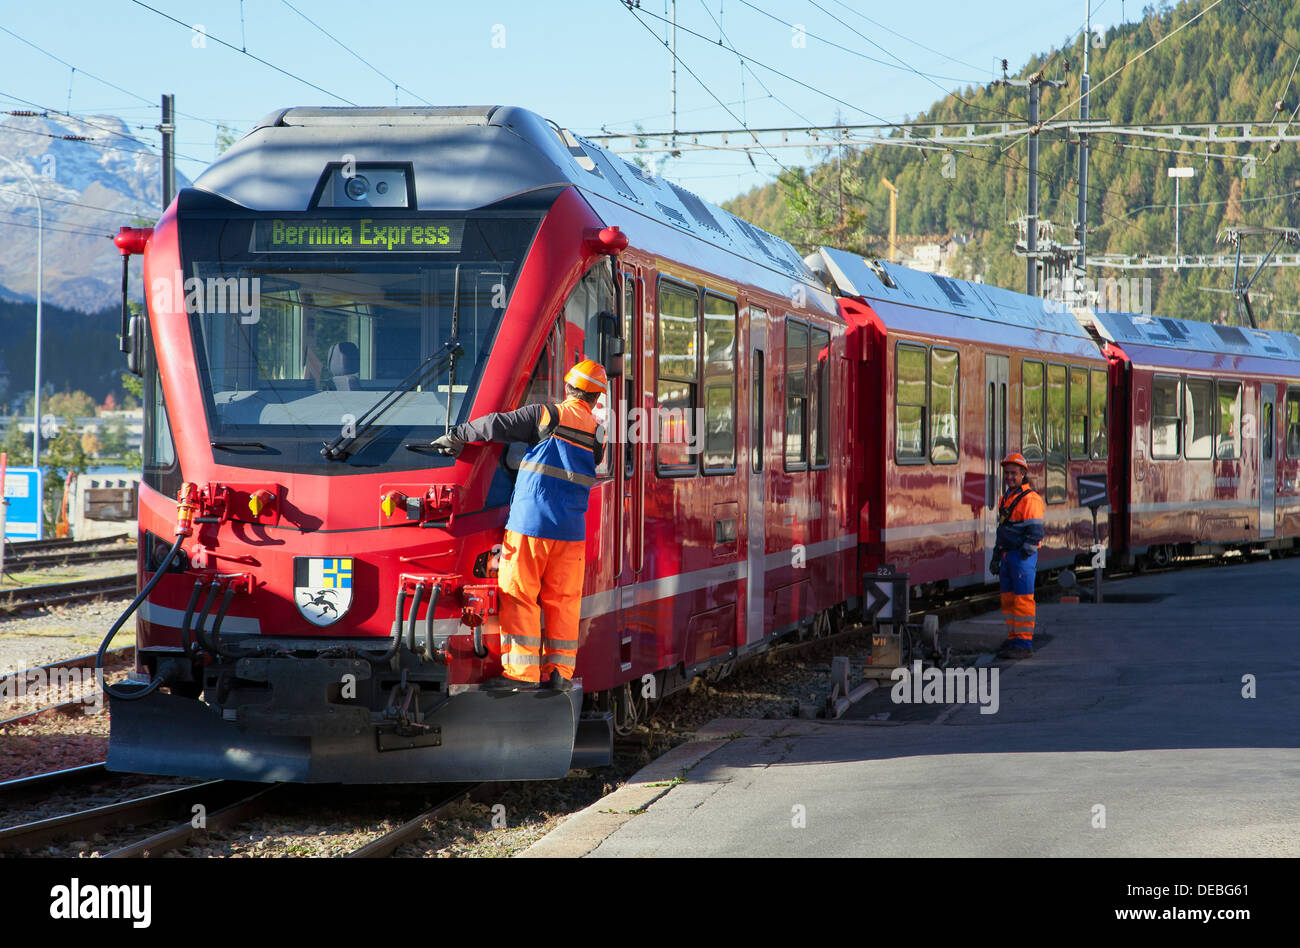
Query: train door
x=756 y=519
x=997 y=380
x=1267 y=461
x=634 y=434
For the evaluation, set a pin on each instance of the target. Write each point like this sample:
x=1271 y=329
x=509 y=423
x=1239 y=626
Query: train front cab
x=1213 y=436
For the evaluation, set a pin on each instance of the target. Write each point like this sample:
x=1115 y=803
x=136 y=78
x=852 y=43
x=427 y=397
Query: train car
x=960 y=375
x=1207 y=438
x=331 y=294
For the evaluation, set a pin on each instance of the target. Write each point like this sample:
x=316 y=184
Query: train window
x=1031 y=410
x=756 y=408
x=945 y=405
x=1055 y=490
x=796 y=396
x=159 y=450
x=541 y=384
x=591 y=298
x=909 y=403
x=1099 y=435
x=1078 y=414
x=1198 y=418
x=1229 y=420
x=678 y=371
x=1268 y=431
x=1293 y=423
x=1166 y=420
x=631 y=363
x=719 y=383
x=819 y=355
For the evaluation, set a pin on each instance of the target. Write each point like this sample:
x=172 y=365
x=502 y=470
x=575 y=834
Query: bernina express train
x=318 y=594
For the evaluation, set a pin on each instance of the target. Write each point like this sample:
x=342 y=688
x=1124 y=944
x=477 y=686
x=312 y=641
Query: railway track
x=71 y=557
x=52 y=679
x=25 y=547
x=413 y=829
x=170 y=805
x=216 y=806
x=57 y=594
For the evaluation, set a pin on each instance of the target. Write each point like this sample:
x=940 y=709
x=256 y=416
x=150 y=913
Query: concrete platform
x=1127 y=734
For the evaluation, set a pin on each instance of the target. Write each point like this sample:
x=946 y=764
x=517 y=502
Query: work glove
x=1029 y=549
x=449 y=444
x=995 y=564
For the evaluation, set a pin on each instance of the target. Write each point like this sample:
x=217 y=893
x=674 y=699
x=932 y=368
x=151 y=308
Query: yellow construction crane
x=893 y=220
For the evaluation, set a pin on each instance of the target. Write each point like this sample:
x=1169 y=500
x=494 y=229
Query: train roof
x=848 y=274
x=469 y=157
x=1193 y=335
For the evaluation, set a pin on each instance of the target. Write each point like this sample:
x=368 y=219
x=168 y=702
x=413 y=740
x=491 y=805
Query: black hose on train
x=121 y=620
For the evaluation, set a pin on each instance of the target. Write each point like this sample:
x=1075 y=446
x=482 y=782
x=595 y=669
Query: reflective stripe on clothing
x=1018 y=607
x=556 y=476
x=557 y=472
x=539 y=577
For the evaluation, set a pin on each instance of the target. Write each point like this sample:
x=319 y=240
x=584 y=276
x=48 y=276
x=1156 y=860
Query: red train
x=343 y=284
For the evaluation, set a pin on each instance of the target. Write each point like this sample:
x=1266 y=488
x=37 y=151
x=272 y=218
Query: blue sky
x=586 y=64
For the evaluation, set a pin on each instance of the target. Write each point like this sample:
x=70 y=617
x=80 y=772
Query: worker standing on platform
x=1015 y=555
x=544 y=551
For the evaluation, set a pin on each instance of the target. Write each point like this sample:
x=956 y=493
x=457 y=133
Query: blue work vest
x=556 y=476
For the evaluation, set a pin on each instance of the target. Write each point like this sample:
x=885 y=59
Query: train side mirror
x=133 y=344
x=611 y=343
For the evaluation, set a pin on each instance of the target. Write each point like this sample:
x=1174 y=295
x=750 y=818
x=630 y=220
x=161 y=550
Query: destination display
x=383 y=235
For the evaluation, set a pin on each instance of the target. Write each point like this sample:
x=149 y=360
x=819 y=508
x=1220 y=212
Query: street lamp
x=1178 y=174
x=40 y=275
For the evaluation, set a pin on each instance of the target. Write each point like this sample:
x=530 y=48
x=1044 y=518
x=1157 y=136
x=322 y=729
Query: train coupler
x=404 y=725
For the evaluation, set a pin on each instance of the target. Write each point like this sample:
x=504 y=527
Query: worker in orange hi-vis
x=544 y=550
x=1015 y=555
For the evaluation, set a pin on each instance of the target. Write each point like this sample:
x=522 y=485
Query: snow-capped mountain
x=100 y=179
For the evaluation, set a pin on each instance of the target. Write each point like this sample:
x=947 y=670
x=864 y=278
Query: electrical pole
x=1031 y=233
x=673 y=50
x=168 y=129
x=1085 y=84
x=1034 y=84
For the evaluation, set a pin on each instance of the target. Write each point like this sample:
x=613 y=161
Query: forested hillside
x=1231 y=65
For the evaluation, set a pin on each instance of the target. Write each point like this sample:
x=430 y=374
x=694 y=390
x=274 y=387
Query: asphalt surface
x=1127 y=734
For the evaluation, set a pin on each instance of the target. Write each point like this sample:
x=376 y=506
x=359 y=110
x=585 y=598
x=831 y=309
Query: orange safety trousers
x=539 y=577
x=1018 y=609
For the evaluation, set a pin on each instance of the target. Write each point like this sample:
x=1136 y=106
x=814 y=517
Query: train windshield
x=301 y=328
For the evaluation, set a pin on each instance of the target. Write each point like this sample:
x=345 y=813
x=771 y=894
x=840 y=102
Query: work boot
x=1014 y=652
x=502 y=683
x=558 y=682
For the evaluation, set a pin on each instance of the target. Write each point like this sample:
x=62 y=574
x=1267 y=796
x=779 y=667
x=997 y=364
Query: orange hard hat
x=588 y=375
x=1015 y=457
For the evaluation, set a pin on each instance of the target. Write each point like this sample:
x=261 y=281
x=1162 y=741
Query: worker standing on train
x=543 y=553
x=1015 y=555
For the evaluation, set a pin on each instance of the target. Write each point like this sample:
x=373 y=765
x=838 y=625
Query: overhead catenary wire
x=677 y=58
x=1127 y=62
x=906 y=39
x=135 y=95
x=243 y=52
x=371 y=66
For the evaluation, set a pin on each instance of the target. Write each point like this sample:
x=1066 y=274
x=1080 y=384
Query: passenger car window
x=1166 y=422
x=909 y=403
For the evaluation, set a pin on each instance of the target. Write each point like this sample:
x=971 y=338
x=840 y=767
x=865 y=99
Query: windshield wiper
x=446 y=354
x=235 y=445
